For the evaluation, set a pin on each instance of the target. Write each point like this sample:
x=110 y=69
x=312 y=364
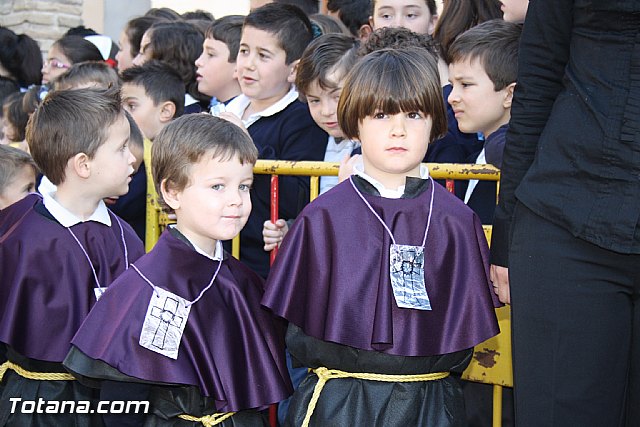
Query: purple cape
x=46 y=281
x=232 y=348
x=331 y=275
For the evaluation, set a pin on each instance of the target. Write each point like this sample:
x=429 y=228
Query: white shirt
x=217 y=256
x=473 y=182
x=241 y=102
x=335 y=153
x=68 y=219
x=358 y=169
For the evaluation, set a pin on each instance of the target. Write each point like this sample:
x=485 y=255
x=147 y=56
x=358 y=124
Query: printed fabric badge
x=407 y=277
x=164 y=323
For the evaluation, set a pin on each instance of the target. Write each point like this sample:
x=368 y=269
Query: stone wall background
x=44 y=20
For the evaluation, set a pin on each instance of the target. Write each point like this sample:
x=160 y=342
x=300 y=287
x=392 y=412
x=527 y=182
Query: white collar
x=358 y=169
x=241 y=102
x=188 y=100
x=218 y=254
x=68 y=219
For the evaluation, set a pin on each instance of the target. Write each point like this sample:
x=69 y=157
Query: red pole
x=274 y=211
x=273 y=409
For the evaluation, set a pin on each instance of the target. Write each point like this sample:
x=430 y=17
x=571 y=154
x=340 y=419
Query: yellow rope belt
x=208 y=420
x=42 y=376
x=325 y=375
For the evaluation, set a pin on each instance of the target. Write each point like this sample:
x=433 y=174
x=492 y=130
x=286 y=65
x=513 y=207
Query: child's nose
x=327 y=109
x=398 y=125
x=235 y=198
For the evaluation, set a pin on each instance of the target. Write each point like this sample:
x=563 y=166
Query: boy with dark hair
x=217 y=64
x=17 y=175
x=70 y=248
x=483 y=71
x=273 y=39
x=220 y=359
x=154 y=95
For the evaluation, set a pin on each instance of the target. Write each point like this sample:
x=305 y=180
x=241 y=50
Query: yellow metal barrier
x=491 y=363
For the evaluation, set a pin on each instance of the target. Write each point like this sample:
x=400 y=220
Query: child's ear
x=365 y=30
x=170 y=194
x=293 y=70
x=508 y=98
x=80 y=164
x=167 y=111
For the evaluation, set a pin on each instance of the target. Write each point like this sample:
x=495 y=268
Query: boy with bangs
x=59 y=252
x=216 y=66
x=273 y=39
x=405 y=294
x=218 y=358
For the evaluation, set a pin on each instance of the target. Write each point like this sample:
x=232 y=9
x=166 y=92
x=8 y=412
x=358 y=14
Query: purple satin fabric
x=232 y=348
x=331 y=275
x=46 y=281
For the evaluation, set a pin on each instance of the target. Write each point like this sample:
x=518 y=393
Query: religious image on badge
x=164 y=323
x=407 y=277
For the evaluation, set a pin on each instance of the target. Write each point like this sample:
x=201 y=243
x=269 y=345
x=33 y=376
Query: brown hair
x=330 y=53
x=227 y=30
x=392 y=81
x=495 y=45
x=97 y=73
x=69 y=122
x=11 y=161
x=15 y=115
x=187 y=139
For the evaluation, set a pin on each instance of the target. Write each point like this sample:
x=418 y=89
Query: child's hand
x=274 y=233
x=230 y=117
x=346 y=166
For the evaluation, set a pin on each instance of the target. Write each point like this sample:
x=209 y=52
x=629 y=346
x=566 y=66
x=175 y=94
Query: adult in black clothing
x=567 y=225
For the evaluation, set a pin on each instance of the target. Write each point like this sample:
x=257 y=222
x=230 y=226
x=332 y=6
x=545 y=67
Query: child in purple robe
x=184 y=329
x=59 y=252
x=384 y=279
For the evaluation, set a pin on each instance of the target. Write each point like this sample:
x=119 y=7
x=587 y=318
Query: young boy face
x=411 y=14
x=394 y=144
x=263 y=74
x=323 y=105
x=215 y=205
x=514 y=10
x=144 y=111
x=112 y=164
x=23 y=183
x=215 y=74
x=477 y=106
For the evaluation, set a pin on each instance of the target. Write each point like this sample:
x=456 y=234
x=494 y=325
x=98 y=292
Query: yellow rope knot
x=208 y=420
x=325 y=375
x=41 y=376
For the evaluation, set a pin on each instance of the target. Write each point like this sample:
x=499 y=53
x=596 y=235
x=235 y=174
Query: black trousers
x=576 y=328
